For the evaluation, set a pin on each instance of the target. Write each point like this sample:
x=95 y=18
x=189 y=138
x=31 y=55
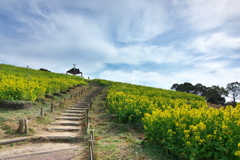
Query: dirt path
x=67 y=144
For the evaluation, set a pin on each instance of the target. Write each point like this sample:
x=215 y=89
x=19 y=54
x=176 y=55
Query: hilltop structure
x=74 y=71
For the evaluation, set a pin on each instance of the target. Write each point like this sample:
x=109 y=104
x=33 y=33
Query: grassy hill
x=17 y=83
x=176 y=123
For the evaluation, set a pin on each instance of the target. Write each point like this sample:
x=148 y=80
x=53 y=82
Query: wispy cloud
x=209 y=14
x=153 y=42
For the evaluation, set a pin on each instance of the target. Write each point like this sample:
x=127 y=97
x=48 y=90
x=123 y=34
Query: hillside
x=25 y=84
x=175 y=123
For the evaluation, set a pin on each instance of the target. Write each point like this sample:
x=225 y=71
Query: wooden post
x=42 y=112
x=91 y=149
x=52 y=107
x=26 y=126
x=20 y=128
x=92 y=135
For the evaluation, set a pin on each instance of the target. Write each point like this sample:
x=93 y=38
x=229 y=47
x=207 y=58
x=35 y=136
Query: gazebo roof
x=74 y=71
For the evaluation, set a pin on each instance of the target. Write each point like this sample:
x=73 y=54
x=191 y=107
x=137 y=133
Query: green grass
x=9 y=118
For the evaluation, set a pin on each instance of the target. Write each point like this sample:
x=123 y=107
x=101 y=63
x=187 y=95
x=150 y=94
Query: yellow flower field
x=26 y=84
x=177 y=122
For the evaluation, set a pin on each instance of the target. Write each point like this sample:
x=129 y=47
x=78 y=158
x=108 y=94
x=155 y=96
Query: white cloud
x=137 y=54
x=136 y=21
x=56 y=34
x=137 y=77
x=216 y=41
x=210 y=14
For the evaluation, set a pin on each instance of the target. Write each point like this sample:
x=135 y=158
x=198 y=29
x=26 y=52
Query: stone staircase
x=70 y=120
x=70 y=123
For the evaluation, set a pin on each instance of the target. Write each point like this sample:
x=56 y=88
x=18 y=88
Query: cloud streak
x=153 y=42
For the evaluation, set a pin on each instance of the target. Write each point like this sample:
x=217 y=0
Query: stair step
x=62 y=122
x=78 y=108
x=65 y=128
x=72 y=114
x=83 y=103
x=70 y=118
x=74 y=111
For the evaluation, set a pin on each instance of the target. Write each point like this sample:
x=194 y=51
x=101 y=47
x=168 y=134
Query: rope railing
x=23 y=123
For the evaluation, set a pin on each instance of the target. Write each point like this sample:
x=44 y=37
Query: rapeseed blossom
x=169 y=120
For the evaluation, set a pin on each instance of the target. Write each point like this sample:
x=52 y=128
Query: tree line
x=214 y=94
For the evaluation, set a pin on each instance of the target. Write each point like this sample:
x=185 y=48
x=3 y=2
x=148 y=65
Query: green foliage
x=213 y=94
x=234 y=90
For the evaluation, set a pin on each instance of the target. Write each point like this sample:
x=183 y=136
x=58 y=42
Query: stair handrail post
x=42 y=112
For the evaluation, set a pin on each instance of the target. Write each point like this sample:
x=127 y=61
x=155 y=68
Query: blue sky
x=148 y=42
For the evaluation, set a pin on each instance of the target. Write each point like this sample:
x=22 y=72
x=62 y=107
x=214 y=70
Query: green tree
x=233 y=90
x=215 y=95
x=200 y=89
x=185 y=87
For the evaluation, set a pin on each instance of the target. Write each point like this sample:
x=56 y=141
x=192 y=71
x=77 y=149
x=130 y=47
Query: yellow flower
x=209 y=136
x=169 y=131
x=201 y=141
x=197 y=137
x=224 y=127
x=201 y=126
x=192 y=127
x=186 y=131
x=237 y=153
x=238 y=123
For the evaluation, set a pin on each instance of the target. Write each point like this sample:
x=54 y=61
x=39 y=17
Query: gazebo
x=74 y=71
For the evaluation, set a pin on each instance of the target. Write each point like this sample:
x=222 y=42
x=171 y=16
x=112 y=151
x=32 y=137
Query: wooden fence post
x=42 y=112
x=26 y=126
x=92 y=135
x=91 y=149
x=20 y=128
x=52 y=107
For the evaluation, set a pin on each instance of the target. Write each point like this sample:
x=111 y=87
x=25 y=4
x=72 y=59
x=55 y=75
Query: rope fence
x=23 y=123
